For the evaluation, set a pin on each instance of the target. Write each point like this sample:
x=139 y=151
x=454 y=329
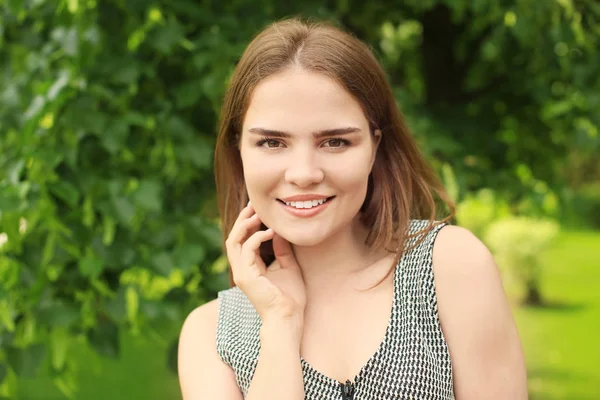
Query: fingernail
x=248 y=203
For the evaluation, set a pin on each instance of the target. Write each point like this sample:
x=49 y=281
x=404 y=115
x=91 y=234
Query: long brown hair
x=402 y=186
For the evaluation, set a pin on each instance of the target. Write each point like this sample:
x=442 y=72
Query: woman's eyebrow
x=316 y=135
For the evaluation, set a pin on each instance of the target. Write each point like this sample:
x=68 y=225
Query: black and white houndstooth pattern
x=412 y=361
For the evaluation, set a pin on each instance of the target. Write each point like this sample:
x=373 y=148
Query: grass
x=560 y=340
x=140 y=373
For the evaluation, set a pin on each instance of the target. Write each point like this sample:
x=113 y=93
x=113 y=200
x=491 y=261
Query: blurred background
x=109 y=233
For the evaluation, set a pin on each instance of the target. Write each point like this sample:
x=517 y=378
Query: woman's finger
x=249 y=265
x=284 y=253
x=236 y=240
x=243 y=229
x=246 y=213
x=250 y=255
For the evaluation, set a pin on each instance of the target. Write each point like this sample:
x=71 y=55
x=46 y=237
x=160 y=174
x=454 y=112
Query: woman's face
x=307 y=153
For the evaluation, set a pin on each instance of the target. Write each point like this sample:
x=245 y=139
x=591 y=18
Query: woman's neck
x=339 y=258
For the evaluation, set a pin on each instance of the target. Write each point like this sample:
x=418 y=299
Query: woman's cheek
x=261 y=184
x=260 y=179
x=349 y=176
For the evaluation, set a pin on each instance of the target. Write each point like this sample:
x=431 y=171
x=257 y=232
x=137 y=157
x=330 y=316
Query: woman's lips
x=306 y=212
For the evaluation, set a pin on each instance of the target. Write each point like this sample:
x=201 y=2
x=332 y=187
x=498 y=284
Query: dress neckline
x=306 y=366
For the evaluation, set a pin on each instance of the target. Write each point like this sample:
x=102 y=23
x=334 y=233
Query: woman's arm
x=278 y=372
x=484 y=345
x=204 y=376
x=202 y=373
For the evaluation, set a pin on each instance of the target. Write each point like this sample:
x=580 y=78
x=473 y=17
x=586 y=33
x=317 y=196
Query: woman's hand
x=277 y=293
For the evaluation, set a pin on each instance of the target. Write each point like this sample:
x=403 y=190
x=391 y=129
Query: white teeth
x=306 y=204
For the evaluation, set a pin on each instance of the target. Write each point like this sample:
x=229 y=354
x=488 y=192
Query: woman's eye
x=269 y=143
x=335 y=143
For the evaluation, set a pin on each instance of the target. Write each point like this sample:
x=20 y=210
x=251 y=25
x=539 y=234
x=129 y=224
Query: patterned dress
x=412 y=361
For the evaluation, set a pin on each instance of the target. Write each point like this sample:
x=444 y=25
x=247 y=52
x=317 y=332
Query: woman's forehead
x=309 y=100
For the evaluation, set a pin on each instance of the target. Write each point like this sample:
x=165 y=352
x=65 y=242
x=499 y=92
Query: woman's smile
x=306 y=208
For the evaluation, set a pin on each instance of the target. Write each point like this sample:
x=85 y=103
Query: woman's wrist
x=278 y=372
x=282 y=330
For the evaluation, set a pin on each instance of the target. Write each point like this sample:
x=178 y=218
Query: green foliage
x=518 y=244
x=583 y=207
x=107 y=120
x=487 y=93
x=479 y=210
x=106 y=193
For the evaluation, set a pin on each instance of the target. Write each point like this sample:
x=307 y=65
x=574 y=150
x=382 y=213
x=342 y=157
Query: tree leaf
x=133 y=303
x=9 y=198
x=58 y=85
x=124 y=209
x=95 y=121
x=70 y=41
x=116 y=307
x=115 y=136
x=163 y=263
x=172 y=356
x=198 y=153
x=57 y=313
x=188 y=256
x=104 y=338
x=3 y=372
x=60 y=340
x=35 y=108
x=25 y=361
x=66 y=191
x=149 y=195
x=14 y=172
x=126 y=71
x=167 y=36
x=91 y=266
x=187 y=94
x=7 y=315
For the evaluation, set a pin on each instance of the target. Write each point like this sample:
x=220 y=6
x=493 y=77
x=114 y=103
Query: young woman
x=346 y=284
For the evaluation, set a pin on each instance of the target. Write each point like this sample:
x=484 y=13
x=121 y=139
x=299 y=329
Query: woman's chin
x=303 y=240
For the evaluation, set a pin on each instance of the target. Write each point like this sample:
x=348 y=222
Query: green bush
x=106 y=185
x=583 y=207
x=477 y=211
x=517 y=244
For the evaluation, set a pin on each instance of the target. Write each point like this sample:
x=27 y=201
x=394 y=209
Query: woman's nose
x=304 y=170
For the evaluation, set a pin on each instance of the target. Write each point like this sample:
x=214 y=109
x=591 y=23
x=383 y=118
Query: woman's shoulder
x=206 y=316
x=202 y=372
x=205 y=324
x=458 y=251
x=474 y=313
x=461 y=260
x=202 y=321
x=196 y=347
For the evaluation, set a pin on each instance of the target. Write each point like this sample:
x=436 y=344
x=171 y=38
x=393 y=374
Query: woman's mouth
x=306 y=208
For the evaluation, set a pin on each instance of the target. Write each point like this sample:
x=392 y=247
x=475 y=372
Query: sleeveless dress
x=412 y=361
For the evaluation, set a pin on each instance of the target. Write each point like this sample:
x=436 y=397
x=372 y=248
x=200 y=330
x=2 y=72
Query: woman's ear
x=376 y=141
x=377 y=136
